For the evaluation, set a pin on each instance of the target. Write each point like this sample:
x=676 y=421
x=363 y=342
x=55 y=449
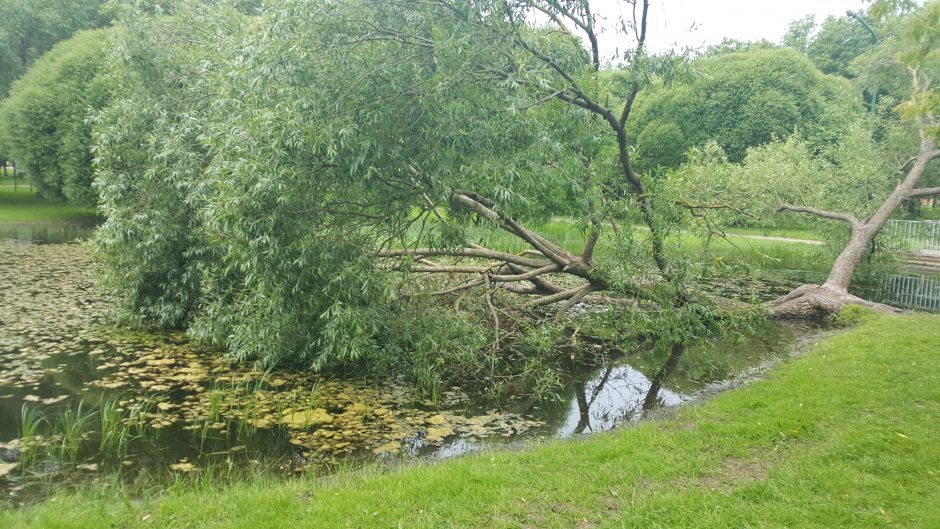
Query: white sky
x=698 y=23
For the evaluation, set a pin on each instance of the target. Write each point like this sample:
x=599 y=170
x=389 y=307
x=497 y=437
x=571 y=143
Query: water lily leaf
x=303 y=419
x=7 y=468
x=184 y=466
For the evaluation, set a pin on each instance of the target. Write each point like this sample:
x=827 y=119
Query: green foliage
x=29 y=28
x=853 y=175
x=663 y=143
x=834 y=44
x=247 y=192
x=46 y=130
x=434 y=347
x=744 y=99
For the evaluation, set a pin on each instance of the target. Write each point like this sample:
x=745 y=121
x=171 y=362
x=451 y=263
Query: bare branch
x=555 y=298
x=694 y=207
x=442 y=269
x=489 y=303
x=641 y=41
x=458 y=288
x=465 y=252
x=845 y=217
x=527 y=275
x=541 y=285
x=574 y=300
x=547 y=248
x=587 y=256
x=529 y=290
x=487 y=278
x=923 y=192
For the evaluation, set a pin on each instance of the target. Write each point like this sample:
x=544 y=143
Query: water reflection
x=615 y=397
x=45 y=233
x=193 y=406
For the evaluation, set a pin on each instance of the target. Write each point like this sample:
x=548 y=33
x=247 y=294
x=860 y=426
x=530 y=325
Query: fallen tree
x=321 y=194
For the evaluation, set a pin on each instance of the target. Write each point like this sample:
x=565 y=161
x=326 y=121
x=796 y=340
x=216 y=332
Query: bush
x=744 y=99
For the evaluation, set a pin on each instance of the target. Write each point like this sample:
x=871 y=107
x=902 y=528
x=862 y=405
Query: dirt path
x=778 y=239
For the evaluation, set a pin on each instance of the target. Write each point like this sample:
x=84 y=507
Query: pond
x=45 y=232
x=79 y=399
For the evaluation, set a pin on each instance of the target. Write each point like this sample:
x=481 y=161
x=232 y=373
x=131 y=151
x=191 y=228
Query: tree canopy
x=46 y=128
x=29 y=28
x=744 y=99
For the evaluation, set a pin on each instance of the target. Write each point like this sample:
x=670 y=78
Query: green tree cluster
x=744 y=99
x=46 y=128
x=834 y=44
x=853 y=175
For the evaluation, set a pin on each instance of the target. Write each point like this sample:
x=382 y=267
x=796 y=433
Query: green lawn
x=845 y=436
x=23 y=206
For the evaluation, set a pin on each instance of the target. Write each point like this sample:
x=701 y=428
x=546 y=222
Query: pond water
x=45 y=232
x=79 y=399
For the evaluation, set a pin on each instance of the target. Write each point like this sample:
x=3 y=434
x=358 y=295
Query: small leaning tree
x=920 y=56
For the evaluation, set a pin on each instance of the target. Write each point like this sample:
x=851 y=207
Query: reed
x=31 y=423
x=115 y=435
x=72 y=426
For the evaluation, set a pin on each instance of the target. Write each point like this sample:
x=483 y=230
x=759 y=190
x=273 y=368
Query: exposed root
x=818 y=302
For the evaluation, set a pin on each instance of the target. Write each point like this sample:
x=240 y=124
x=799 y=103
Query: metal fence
x=913 y=292
x=915 y=235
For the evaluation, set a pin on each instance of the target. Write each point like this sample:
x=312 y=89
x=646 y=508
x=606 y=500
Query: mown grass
x=23 y=206
x=843 y=437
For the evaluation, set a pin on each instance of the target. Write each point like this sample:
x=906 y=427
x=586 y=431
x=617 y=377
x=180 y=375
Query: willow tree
x=292 y=184
x=919 y=53
x=45 y=130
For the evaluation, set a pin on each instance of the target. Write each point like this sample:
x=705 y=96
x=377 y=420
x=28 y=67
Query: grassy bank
x=23 y=206
x=843 y=437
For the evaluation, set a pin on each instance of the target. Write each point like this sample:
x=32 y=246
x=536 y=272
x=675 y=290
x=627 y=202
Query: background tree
x=45 y=117
x=920 y=54
x=29 y=28
x=833 y=44
x=744 y=99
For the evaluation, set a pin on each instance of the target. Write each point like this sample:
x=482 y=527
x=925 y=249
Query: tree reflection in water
x=618 y=394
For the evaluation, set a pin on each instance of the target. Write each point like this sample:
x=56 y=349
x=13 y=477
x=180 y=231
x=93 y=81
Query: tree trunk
x=813 y=301
x=844 y=266
x=652 y=396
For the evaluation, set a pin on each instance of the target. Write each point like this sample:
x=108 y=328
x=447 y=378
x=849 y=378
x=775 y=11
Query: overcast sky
x=698 y=23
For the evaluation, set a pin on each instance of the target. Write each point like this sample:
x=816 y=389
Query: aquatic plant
x=31 y=421
x=115 y=435
x=216 y=400
x=138 y=413
x=71 y=427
